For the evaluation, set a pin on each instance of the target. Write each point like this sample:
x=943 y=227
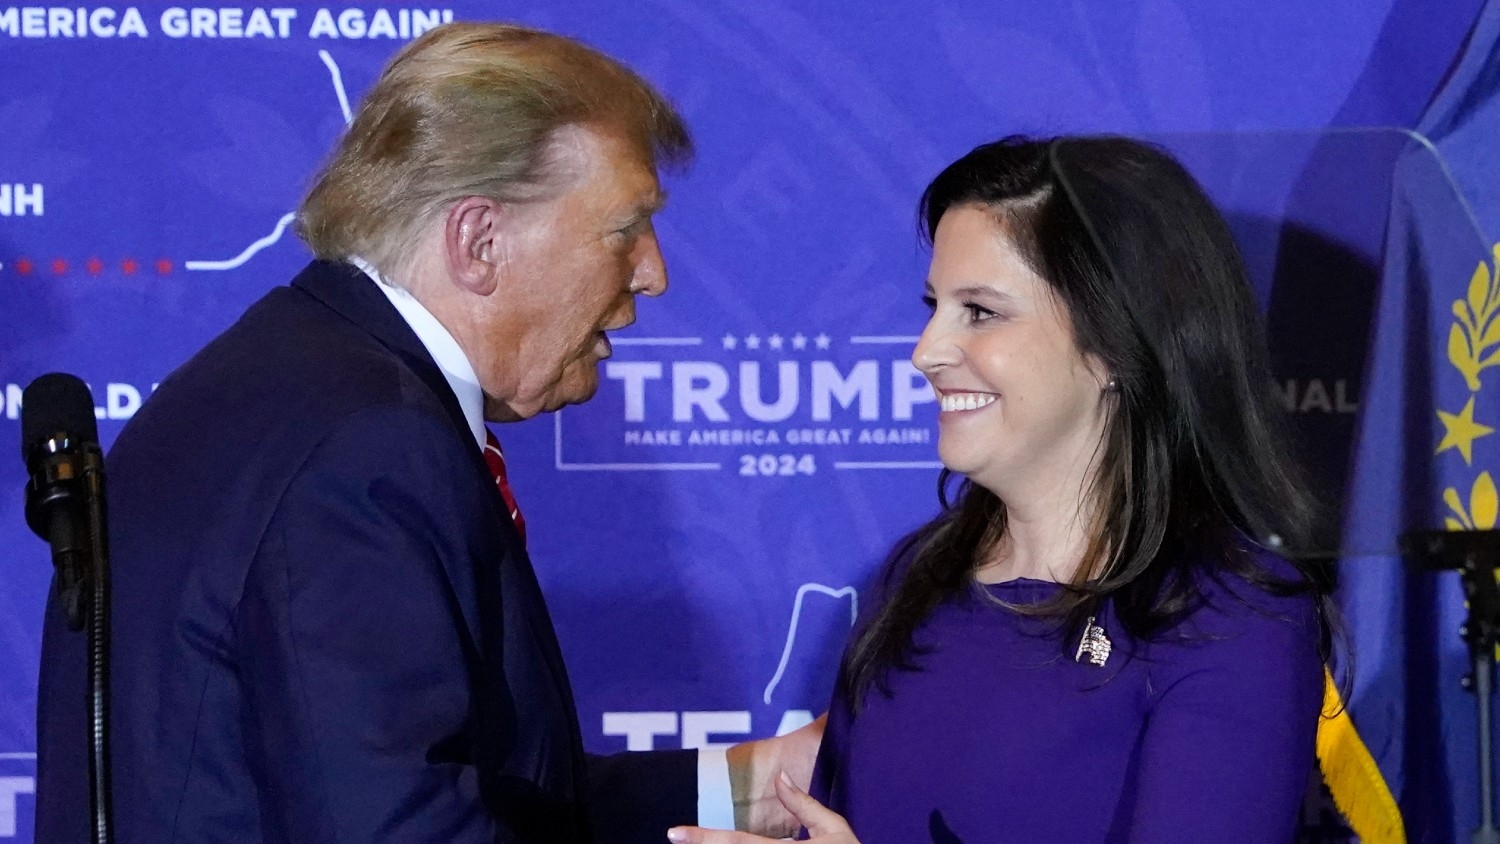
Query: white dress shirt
x=715 y=801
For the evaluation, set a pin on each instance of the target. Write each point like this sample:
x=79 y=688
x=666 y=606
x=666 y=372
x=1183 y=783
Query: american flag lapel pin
x=1094 y=644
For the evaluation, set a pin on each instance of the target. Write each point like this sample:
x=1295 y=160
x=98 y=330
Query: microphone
x=65 y=506
x=65 y=483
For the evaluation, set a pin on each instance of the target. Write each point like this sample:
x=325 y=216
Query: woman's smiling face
x=1018 y=401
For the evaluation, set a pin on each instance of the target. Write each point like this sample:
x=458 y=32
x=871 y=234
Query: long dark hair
x=1194 y=465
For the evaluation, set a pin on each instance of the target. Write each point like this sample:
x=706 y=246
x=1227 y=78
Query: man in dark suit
x=326 y=627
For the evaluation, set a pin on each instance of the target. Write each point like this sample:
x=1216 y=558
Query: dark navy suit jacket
x=325 y=627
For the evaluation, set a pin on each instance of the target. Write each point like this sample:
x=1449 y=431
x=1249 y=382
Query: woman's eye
x=978 y=313
x=929 y=302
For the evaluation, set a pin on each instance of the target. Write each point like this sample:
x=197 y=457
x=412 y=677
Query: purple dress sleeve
x=1229 y=720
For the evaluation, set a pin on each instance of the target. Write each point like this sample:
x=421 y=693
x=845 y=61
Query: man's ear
x=471 y=232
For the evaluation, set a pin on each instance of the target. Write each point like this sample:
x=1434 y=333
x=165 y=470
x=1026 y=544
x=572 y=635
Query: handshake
x=768 y=801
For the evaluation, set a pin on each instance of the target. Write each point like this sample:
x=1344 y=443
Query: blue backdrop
x=760 y=438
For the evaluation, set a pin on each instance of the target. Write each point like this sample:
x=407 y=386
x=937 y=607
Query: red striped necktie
x=495 y=459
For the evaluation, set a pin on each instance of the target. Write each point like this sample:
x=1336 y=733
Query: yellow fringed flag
x=1358 y=787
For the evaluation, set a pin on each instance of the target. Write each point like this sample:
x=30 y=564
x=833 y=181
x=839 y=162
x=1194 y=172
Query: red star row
x=93 y=266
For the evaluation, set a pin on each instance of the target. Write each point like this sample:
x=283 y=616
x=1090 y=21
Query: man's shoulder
x=289 y=336
x=289 y=353
x=263 y=393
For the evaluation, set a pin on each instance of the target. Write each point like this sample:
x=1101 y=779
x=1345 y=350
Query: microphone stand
x=101 y=805
x=1476 y=555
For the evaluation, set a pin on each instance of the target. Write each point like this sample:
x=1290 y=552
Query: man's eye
x=635 y=229
x=930 y=303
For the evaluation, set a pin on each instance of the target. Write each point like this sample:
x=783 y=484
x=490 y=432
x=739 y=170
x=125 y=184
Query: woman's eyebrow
x=983 y=291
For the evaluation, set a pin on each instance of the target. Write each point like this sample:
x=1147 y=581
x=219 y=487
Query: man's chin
x=576 y=392
x=572 y=391
x=583 y=394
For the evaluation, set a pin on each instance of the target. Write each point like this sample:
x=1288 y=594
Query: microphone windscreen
x=56 y=403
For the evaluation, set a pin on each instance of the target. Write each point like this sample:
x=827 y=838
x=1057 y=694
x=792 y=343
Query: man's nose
x=650 y=278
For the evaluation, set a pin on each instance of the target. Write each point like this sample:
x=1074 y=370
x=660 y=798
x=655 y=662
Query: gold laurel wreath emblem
x=1475 y=333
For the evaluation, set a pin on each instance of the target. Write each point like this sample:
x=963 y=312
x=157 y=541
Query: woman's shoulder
x=1254 y=606
x=1258 y=581
x=1253 y=639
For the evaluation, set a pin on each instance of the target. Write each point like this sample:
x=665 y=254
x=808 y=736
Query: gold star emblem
x=1462 y=431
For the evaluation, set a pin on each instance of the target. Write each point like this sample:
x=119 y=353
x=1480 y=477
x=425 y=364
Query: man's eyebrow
x=652 y=205
x=644 y=210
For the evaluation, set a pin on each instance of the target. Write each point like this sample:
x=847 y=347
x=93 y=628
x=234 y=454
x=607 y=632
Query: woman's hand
x=823 y=826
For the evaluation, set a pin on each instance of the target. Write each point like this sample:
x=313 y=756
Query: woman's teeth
x=966 y=401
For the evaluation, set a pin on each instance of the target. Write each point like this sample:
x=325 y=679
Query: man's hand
x=823 y=826
x=754 y=767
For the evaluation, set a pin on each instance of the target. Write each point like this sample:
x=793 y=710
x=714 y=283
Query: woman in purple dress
x=1091 y=642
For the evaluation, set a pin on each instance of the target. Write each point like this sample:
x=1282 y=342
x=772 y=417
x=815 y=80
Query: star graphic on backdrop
x=775 y=341
x=822 y=340
x=59 y=266
x=1462 y=431
x=729 y=341
x=752 y=342
x=163 y=266
x=798 y=341
x=129 y=265
x=95 y=266
x=23 y=266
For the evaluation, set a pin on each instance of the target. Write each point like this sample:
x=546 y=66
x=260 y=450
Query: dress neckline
x=1022 y=589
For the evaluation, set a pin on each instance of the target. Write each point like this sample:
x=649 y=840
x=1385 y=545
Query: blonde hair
x=468 y=109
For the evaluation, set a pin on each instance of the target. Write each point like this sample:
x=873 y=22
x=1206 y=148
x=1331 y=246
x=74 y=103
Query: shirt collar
x=445 y=350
